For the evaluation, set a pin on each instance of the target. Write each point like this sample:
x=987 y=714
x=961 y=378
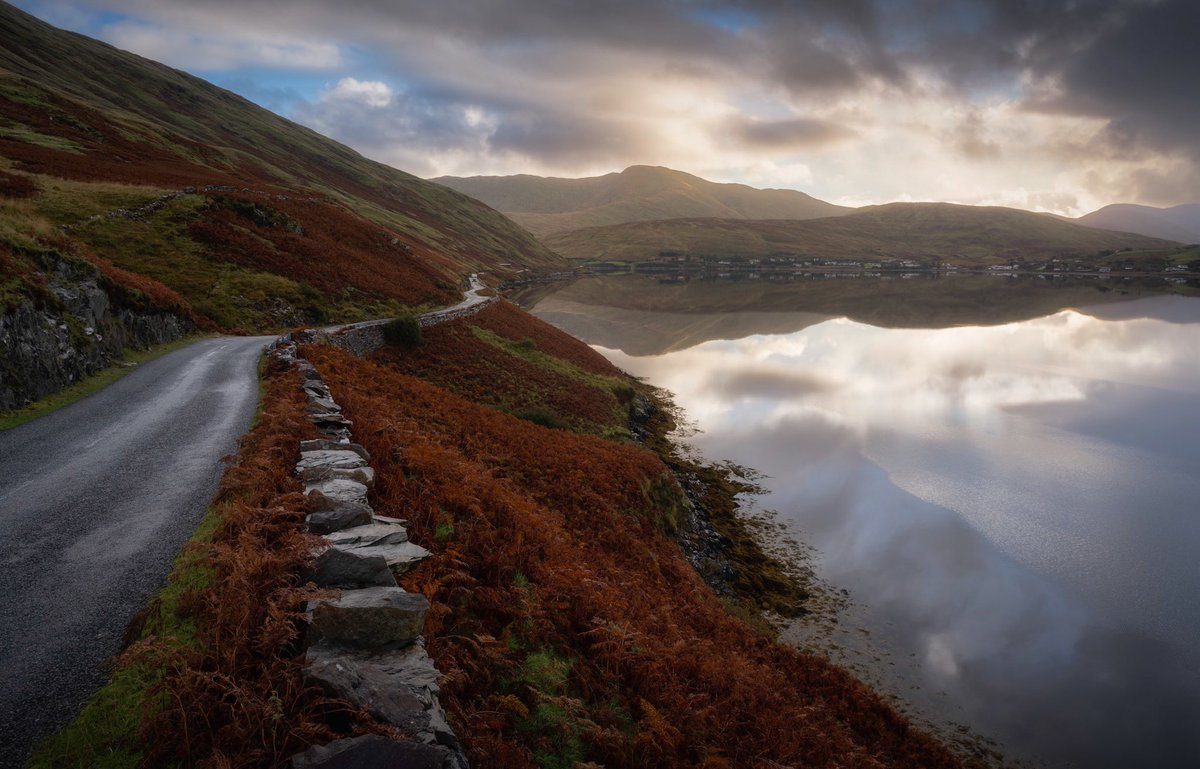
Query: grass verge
x=96 y=382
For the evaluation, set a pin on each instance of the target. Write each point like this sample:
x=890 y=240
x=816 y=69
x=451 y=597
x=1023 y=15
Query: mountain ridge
x=1180 y=223
x=551 y=205
x=943 y=231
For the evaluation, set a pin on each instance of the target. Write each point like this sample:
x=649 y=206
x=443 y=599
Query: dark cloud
x=793 y=134
x=1141 y=75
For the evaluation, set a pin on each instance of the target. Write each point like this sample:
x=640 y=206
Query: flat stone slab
x=401 y=558
x=372 y=751
x=339 y=457
x=371 y=617
x=340 y=490
x=329 y=418
x=377 y=533
x=325 y=445
x=322 y=404
x=364 y=475
x=397 y=686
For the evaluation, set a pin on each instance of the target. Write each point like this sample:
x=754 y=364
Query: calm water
x=1014 y=509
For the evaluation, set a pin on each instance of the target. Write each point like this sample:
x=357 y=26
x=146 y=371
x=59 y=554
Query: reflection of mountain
x=646 y=332
x=642 y=317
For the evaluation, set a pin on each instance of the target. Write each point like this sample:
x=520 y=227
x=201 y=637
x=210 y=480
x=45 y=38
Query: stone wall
x=47 y=345
x=364 y=640
x=365 y=338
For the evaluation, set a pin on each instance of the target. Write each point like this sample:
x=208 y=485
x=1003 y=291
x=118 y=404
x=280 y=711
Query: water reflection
x=1013 y=506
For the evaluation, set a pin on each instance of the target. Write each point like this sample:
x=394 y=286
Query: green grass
x=92 y=384
x=106 y=733
x=28 y=135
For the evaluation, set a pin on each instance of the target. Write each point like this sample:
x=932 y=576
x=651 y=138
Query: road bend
x=96 y=499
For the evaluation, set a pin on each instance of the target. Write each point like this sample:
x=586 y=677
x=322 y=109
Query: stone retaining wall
x=365 y=643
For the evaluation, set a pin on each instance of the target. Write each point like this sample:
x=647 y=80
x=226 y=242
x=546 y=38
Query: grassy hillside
x=918 y=231
x=547 y=206
x=298 y=227
x=1181 y=223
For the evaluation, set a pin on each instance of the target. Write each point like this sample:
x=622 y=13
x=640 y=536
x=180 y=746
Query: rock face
x=75 y=332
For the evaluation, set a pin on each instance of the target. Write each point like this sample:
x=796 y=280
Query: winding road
x=96 y=500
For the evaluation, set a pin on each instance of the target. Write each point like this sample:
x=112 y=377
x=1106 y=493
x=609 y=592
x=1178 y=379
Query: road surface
x=471 y=298
x=96 y=500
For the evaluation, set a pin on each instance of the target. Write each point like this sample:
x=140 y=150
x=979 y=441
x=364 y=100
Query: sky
x=1050 y=105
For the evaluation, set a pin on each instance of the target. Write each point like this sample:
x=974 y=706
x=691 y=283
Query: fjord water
x=1014 y=508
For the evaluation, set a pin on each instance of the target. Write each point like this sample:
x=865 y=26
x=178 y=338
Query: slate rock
x=347 y=568
x=371 y=617
x=363 y=475
x=372 y=751
x=340 y=489
x=364 y=681
x=322 y=405
x=338 y=517
x=376 y=533
x=324 y=445
x=339 y=457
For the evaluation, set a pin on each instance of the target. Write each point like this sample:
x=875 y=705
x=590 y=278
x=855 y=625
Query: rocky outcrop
x=365 y=644
x=71 y=333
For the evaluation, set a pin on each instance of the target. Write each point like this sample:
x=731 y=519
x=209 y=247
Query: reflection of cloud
x=767 y=384
x=984 y=436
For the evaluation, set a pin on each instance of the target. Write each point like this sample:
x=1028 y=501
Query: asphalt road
x=96 y=500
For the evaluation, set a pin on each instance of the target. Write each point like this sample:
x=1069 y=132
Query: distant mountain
x=1180 y=223
x=547 y=206
x=300 y=229
x=961 y=234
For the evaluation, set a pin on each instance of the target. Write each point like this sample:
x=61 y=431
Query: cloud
x=787 y=134
x=188 y=50
x=859 y=100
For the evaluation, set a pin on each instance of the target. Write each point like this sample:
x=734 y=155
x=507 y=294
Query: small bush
x=404 y=331
x=540 y=415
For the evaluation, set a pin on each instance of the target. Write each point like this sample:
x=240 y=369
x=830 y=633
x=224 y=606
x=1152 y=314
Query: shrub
x=404 y=331
x=540 y=415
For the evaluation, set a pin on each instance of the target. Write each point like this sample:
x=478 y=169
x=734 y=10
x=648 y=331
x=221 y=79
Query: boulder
x=370 y=617
x=348 y=568
x=337 y=517
x=372 y=751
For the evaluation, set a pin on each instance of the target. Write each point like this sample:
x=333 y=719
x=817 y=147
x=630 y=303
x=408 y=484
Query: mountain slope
x=547 y=206
x=1180 y=223
x=283 y=225
x=923 y=231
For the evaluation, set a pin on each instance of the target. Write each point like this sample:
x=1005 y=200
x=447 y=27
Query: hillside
x=256 y=221
x=917 y=231
x=1180 y=223
x=546 y=206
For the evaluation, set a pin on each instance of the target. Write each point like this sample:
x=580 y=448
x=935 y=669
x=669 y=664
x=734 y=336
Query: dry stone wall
x=365 y=643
